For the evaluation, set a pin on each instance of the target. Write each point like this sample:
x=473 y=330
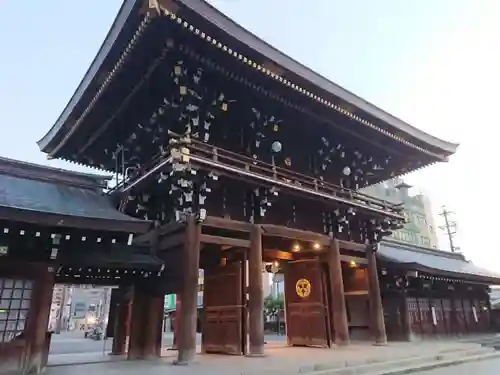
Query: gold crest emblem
x=303 y=288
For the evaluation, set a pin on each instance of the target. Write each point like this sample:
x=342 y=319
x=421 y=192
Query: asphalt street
x=74 y=342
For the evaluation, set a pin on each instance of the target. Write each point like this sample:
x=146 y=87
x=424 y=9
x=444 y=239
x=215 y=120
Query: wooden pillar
x=339 y=314
x=176 y=320
x=153 y=323
x=186 y=341
x=376 y=309
x=256 y=294
x=38 y=320
x=122 y=323
x=405 y=318
x=137 y=331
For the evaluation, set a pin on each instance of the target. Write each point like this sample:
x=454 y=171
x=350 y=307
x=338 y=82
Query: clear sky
x=434 y=63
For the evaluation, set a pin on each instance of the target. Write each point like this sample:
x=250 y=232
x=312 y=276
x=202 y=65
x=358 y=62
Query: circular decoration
x=346 y=171
x=303 y=288
x=276 y=146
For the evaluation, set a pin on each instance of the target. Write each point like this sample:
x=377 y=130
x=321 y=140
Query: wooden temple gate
x=306 y=298
x=211 y=150
x=233 y=300
x=224 y=312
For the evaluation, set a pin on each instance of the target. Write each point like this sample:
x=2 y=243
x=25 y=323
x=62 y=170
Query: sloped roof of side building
x=43 y=195
x=433 y=261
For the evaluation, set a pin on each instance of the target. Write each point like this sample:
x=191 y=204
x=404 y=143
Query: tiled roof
x=452 y=264
x=62 y=198
x=241 y=40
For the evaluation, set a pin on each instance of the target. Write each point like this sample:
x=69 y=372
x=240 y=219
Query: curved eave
x=97 y=66
x=301 y=73
x=491 y=280
x=50 y=219
x=245 y=37
x=434 y=262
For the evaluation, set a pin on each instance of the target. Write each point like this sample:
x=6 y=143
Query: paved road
x=489 y=367
x=74 y=342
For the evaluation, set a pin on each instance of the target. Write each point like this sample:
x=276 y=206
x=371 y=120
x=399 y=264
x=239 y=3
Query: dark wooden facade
x=240 y=156
x=429 y=293
x=57 y=227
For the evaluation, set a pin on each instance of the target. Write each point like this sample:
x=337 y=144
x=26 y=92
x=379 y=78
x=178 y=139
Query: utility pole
x=450 y=227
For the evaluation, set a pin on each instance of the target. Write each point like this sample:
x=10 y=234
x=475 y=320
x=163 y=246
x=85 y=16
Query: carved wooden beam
x=218 y=240
x=219 y=222
x=164 y=230
x=348 y=245
x=279 y=231
x=347 y=258
x=274 y=254
x=171 y=241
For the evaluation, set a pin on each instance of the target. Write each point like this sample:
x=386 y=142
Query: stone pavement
x=491 y=367
x=278 y=360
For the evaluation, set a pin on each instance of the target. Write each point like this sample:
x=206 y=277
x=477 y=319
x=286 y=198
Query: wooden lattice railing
x=204 y=153
x=244 y=163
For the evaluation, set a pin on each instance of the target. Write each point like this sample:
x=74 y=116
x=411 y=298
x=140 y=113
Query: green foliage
x=273 y=305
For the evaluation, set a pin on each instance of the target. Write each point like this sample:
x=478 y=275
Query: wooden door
x=459 y=315
x=440 y=323
x=484 y=316
x=469 y=319
x=415 y=325
x=223 y=315
x=392 y=316
x=426 y=319
x=306 y=307
x=448 y=316
x=475 y=322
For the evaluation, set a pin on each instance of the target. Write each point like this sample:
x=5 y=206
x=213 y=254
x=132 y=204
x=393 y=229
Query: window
x=425 y=241
x=15 y=298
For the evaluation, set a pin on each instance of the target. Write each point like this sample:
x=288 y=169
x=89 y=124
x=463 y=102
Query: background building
x=421 y=228
x=61 y=295
x=80 y=306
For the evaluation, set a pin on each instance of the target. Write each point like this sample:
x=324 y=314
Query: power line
x=450 y=227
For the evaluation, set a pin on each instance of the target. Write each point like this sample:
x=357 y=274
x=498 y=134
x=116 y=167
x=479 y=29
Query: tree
x=273 y=306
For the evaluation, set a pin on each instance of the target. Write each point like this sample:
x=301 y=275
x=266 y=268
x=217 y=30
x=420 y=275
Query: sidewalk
x=279 y=359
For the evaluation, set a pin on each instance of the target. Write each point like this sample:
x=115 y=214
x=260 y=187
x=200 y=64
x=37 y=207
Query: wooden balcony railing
x=289 y=177
x=231 y=163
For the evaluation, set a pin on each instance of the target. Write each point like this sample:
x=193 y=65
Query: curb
x=395 y=367
x=440 y=364
x=88 y=362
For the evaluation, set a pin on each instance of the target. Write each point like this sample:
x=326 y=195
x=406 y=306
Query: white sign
x=434 y=318
x=474 y=312
x=4 y=250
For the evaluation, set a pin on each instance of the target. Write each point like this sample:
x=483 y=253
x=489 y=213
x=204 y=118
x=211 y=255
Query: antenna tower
x=450 y=228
